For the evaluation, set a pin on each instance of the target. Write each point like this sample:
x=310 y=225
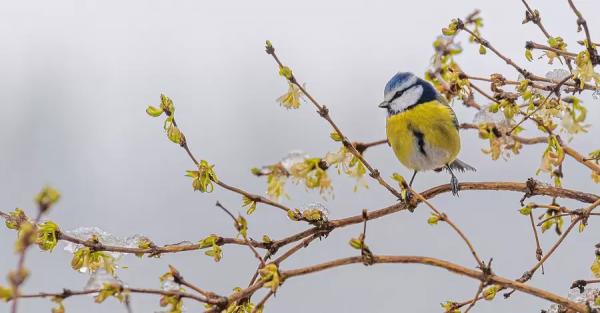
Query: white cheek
x=408 y=98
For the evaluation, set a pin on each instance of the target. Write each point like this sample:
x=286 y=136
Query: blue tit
x=421 y=127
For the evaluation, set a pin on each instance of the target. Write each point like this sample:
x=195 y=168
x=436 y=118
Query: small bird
x=421 y=127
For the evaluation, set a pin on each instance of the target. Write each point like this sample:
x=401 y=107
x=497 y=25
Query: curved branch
x=455 y=268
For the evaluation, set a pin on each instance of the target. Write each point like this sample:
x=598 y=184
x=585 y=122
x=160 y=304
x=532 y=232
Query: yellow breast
x=424 y=137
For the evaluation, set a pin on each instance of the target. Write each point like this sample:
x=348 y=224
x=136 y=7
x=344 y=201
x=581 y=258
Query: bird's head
x=404 y=91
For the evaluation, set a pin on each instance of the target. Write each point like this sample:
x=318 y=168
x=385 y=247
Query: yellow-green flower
x=47 y=237
x=110 y=290
x=215 y=250
x=85 y=259
x=275 y=185
x=175 y=302
x=250 y=204
x=60 y=307
x=47 y=197
x=204 y=177
x=596 y=267
x=270 y=276
x=585 y=70
x=291 y=99
x=15 y=219
x=25 y=236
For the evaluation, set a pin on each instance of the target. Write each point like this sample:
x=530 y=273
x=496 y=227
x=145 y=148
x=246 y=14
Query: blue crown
x=405 y=80
x=398 y=79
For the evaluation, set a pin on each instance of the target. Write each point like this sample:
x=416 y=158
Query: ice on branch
x=587 y=297
x=99 y=278
x=105 y=238
x=493 y=125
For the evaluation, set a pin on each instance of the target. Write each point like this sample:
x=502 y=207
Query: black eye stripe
x=397 y=95
x=400 y=92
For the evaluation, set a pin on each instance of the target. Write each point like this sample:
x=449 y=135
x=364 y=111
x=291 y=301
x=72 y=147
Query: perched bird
x=421 y=127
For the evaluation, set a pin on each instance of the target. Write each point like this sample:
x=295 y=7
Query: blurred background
x=76 y=77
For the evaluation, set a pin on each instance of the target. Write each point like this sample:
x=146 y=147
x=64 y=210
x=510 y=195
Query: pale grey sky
x=77 y=76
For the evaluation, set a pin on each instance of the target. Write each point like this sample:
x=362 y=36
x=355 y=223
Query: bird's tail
x=461 y=166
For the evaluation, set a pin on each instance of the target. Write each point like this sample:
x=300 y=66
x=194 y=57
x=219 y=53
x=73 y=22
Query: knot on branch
x=323 y=229
x=367 y=256
x=525 y=277
x=272 y=248
x=222 y=303
x=486 y=269
x=529 y=45
x=532 y=17
x=579 y=284
x=323 y=111
x=360 y=147
x=66 y=293
x=375 y=174
x=531 y=184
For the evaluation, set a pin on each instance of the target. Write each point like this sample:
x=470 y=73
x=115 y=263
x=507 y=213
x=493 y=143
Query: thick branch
x=457 y=269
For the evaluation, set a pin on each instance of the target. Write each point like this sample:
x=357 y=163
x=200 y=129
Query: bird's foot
x=407 y=197
x=454 y=185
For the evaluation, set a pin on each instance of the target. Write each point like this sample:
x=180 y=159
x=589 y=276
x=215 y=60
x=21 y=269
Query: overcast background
x=76 y=77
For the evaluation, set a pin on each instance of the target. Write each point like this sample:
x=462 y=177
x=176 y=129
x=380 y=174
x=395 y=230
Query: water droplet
x=485 y=116
x=293 y=157
x=99 y=278
x=169 y=285
x=557 y=74
x=317 y=206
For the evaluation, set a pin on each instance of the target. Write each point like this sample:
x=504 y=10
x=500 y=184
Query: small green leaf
x=526 y=210
x=154 y=111
x=528 y=55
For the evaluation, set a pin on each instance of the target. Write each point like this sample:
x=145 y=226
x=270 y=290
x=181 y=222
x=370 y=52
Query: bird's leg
x=453 y=181
x=408 y=192
x=412 y=179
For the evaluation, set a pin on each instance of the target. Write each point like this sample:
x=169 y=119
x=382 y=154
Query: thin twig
x=534 y=16
x=538 y=249
x=256 y=198
x=238 y=227
x=476 y=298
x=262 y=301
x=581 y=22
x=324 y=113
x=555 y=90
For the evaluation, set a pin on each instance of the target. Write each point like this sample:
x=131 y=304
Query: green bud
x=433 y=219
x=482 y=50
x=174 y=134
x=285 y=72
x=356 y=244
x=47 y=197
x=5 y=293
x=490 y=292
x=335 y=136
